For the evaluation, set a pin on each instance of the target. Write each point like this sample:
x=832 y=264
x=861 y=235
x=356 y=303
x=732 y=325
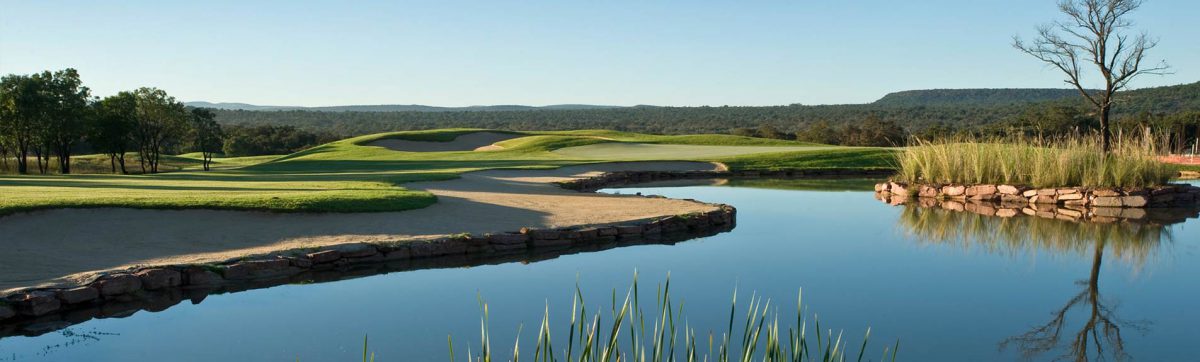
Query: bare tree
x=1095 y=32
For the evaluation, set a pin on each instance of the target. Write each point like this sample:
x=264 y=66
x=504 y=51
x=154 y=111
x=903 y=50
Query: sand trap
x=62 y=247
x=478 y=141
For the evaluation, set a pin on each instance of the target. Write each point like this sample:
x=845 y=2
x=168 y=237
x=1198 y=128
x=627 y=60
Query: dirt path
x=61 y=247
x=477 y=141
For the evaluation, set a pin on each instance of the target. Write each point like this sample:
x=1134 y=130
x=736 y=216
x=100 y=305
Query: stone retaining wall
x=154 y=293
x=1161 y=216
x=1170 y=195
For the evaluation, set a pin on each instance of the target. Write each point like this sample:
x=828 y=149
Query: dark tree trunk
x=121 y=161
x=112 y=162
x=1105 y=131
x=22 y=161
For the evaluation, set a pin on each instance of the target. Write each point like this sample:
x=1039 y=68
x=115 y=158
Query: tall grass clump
x=1036 y=162
x=629 y=333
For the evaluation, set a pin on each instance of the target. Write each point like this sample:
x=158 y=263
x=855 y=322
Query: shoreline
x=36 y=306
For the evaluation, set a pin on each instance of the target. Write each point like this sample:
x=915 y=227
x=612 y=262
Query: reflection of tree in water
x=1100 y=331
x=72 y=337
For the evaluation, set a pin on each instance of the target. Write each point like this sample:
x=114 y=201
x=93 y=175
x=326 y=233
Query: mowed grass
x=352 y=176
x=214 y=190
x=649 y=151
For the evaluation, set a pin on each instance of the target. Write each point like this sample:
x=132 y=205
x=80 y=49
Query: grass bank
x=1035 y=162
x=351 y=175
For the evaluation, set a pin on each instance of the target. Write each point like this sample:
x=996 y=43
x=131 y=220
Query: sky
x=485 y=52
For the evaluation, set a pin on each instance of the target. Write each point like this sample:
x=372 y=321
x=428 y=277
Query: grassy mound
x=1037 y=163
x=351 y=175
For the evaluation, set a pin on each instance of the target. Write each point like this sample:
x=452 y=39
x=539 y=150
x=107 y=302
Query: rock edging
x=1170 y=195
x=127 y=286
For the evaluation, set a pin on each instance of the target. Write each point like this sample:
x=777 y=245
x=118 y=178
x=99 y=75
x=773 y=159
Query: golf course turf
x=352 y=175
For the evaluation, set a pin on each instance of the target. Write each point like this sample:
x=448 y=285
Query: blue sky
x=456 y=53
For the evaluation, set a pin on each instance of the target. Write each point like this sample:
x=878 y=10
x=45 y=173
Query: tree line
x=812 y=123
x=52 y=116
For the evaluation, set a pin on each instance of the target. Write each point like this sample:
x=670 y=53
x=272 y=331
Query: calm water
x=949 y=289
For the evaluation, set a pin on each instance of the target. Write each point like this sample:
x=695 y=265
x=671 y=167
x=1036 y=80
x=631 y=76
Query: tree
x=20 y=115
x=66 y=102
x=112 y=126
x=1095 y=33
x=160 y=121
x=207 y=137
x=819 y=132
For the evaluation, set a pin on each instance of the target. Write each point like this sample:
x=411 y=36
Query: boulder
x=589 y=234
x=1029 y=193
x=254 y=269
x=1106 y=201
x=981 y=190
x=1163 y=198
x=301 y=262
x=198 y=276
x=541 y=234
x=1134 y=201
x=608 y=231
x=927 y=191
x=1105 y=193
x=1070 y=196
x=439 y=247
x=1043 y=199
x=883 y=186
x=1068 y=191
x=509 y=239
x=153 y=279
x=6 y=312
x=78 y=295
x=1008 y=190
x=117 y=284
x=1047 y=192
x=954 y=190
x=629 y=229
x=401 y=253
x=356 y=250
x=326 y=256
x=35 y=303
x=898 y=188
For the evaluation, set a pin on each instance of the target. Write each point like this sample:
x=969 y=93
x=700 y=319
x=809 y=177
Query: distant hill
x=974 y=97
x=392 y=107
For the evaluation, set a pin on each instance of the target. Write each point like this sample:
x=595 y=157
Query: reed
x=1036 y=162
x=631 y=334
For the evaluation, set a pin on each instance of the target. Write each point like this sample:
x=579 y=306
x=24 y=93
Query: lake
x=948 y=286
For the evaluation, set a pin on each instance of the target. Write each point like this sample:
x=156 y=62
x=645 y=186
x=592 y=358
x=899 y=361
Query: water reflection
x=1087 y=326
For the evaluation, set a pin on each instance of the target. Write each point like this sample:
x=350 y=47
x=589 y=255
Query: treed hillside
x=938 y=110
x=944 y=97
x=391 y=107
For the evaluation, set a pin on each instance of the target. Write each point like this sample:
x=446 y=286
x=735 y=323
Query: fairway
x=644 y=151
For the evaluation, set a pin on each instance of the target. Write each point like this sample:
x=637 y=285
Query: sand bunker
x=478 y=141
x=40 y=248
